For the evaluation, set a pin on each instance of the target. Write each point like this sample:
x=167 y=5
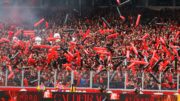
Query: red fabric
x=103 y=52
x=27 y=48
x=78 y=61
x=145 y=46
x=69 y=58
x=100 y=49
x=139 y=62
x=165 y=85
x=118 y=2
x=177 y=34
x=145 y=36
x=11 y=75
x=86 y=34
x=138 y=20
x=31 y=61
x=134 y=49
x=100 y=67
x=47 y=24
x=39 y=22
x=25 y=82
x=115 y=35
x=127 y=54
x=29 y=33
x=10 y=68
x=122 y=17
x=166 y=50
x=170 y=78
x=68 y=68
x=131 y=65
x=41 y=46
x=10 y=34
x=52 y=55
x=17 y=32
x=52 y=39
x=104 y=25
x=4 y=40
x=162 y=40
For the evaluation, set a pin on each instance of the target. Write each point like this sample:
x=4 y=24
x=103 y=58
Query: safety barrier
x=110 y=80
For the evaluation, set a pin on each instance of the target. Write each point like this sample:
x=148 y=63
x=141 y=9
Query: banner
x=67 y=96
x=58 y=96
x=30 y=96
x=4 y=96
x=146 y=97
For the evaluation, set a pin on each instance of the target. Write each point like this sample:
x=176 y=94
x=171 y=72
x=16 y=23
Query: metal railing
x=113 y=80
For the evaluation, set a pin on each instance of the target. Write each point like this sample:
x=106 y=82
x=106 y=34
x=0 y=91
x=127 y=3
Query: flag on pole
x=118 y=1
x=138 y=20
x=39 y=22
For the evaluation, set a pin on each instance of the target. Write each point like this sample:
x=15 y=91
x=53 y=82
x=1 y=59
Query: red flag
x=138 y=20
x=68 y=68
x=39 y=22
x=86 y=34
x=131 y=65
x=70 y=54
x=109 y=58
x=122 y=17
x=103 y=52
x=47 y=24
x=68 y=57
x=51 y=56
x=157 y=43
x=78 y=61
x=10 y=68
x=139 y=62
x=86 y=51
x=145 y=46
x=104 y=25
x=52 y=39
x=112 y=36
x=11 y=75
x=100 y=68
x=10 y=34
x=17 y=33
x=55 y=48
x=153 y=59
x=145 y=36
x=99 y=49
x=134 y=49
x=154 y=53
x=30 y=33
x=101 y=31
x=127 y=54
x=72 y=43
x=162 y=40
x=31 y=60
x=166 y=50
x=165 y=63
x=41 y=46
x=118 y=2
x=65 y=65
x=75 y=72
x=27 y=47
x=177 y=34
x=4 y=40
x=25 y=82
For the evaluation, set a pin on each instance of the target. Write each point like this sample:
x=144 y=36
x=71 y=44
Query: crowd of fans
x=88 y=44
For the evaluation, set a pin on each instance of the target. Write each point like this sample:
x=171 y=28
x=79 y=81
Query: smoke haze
x=17 y=14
